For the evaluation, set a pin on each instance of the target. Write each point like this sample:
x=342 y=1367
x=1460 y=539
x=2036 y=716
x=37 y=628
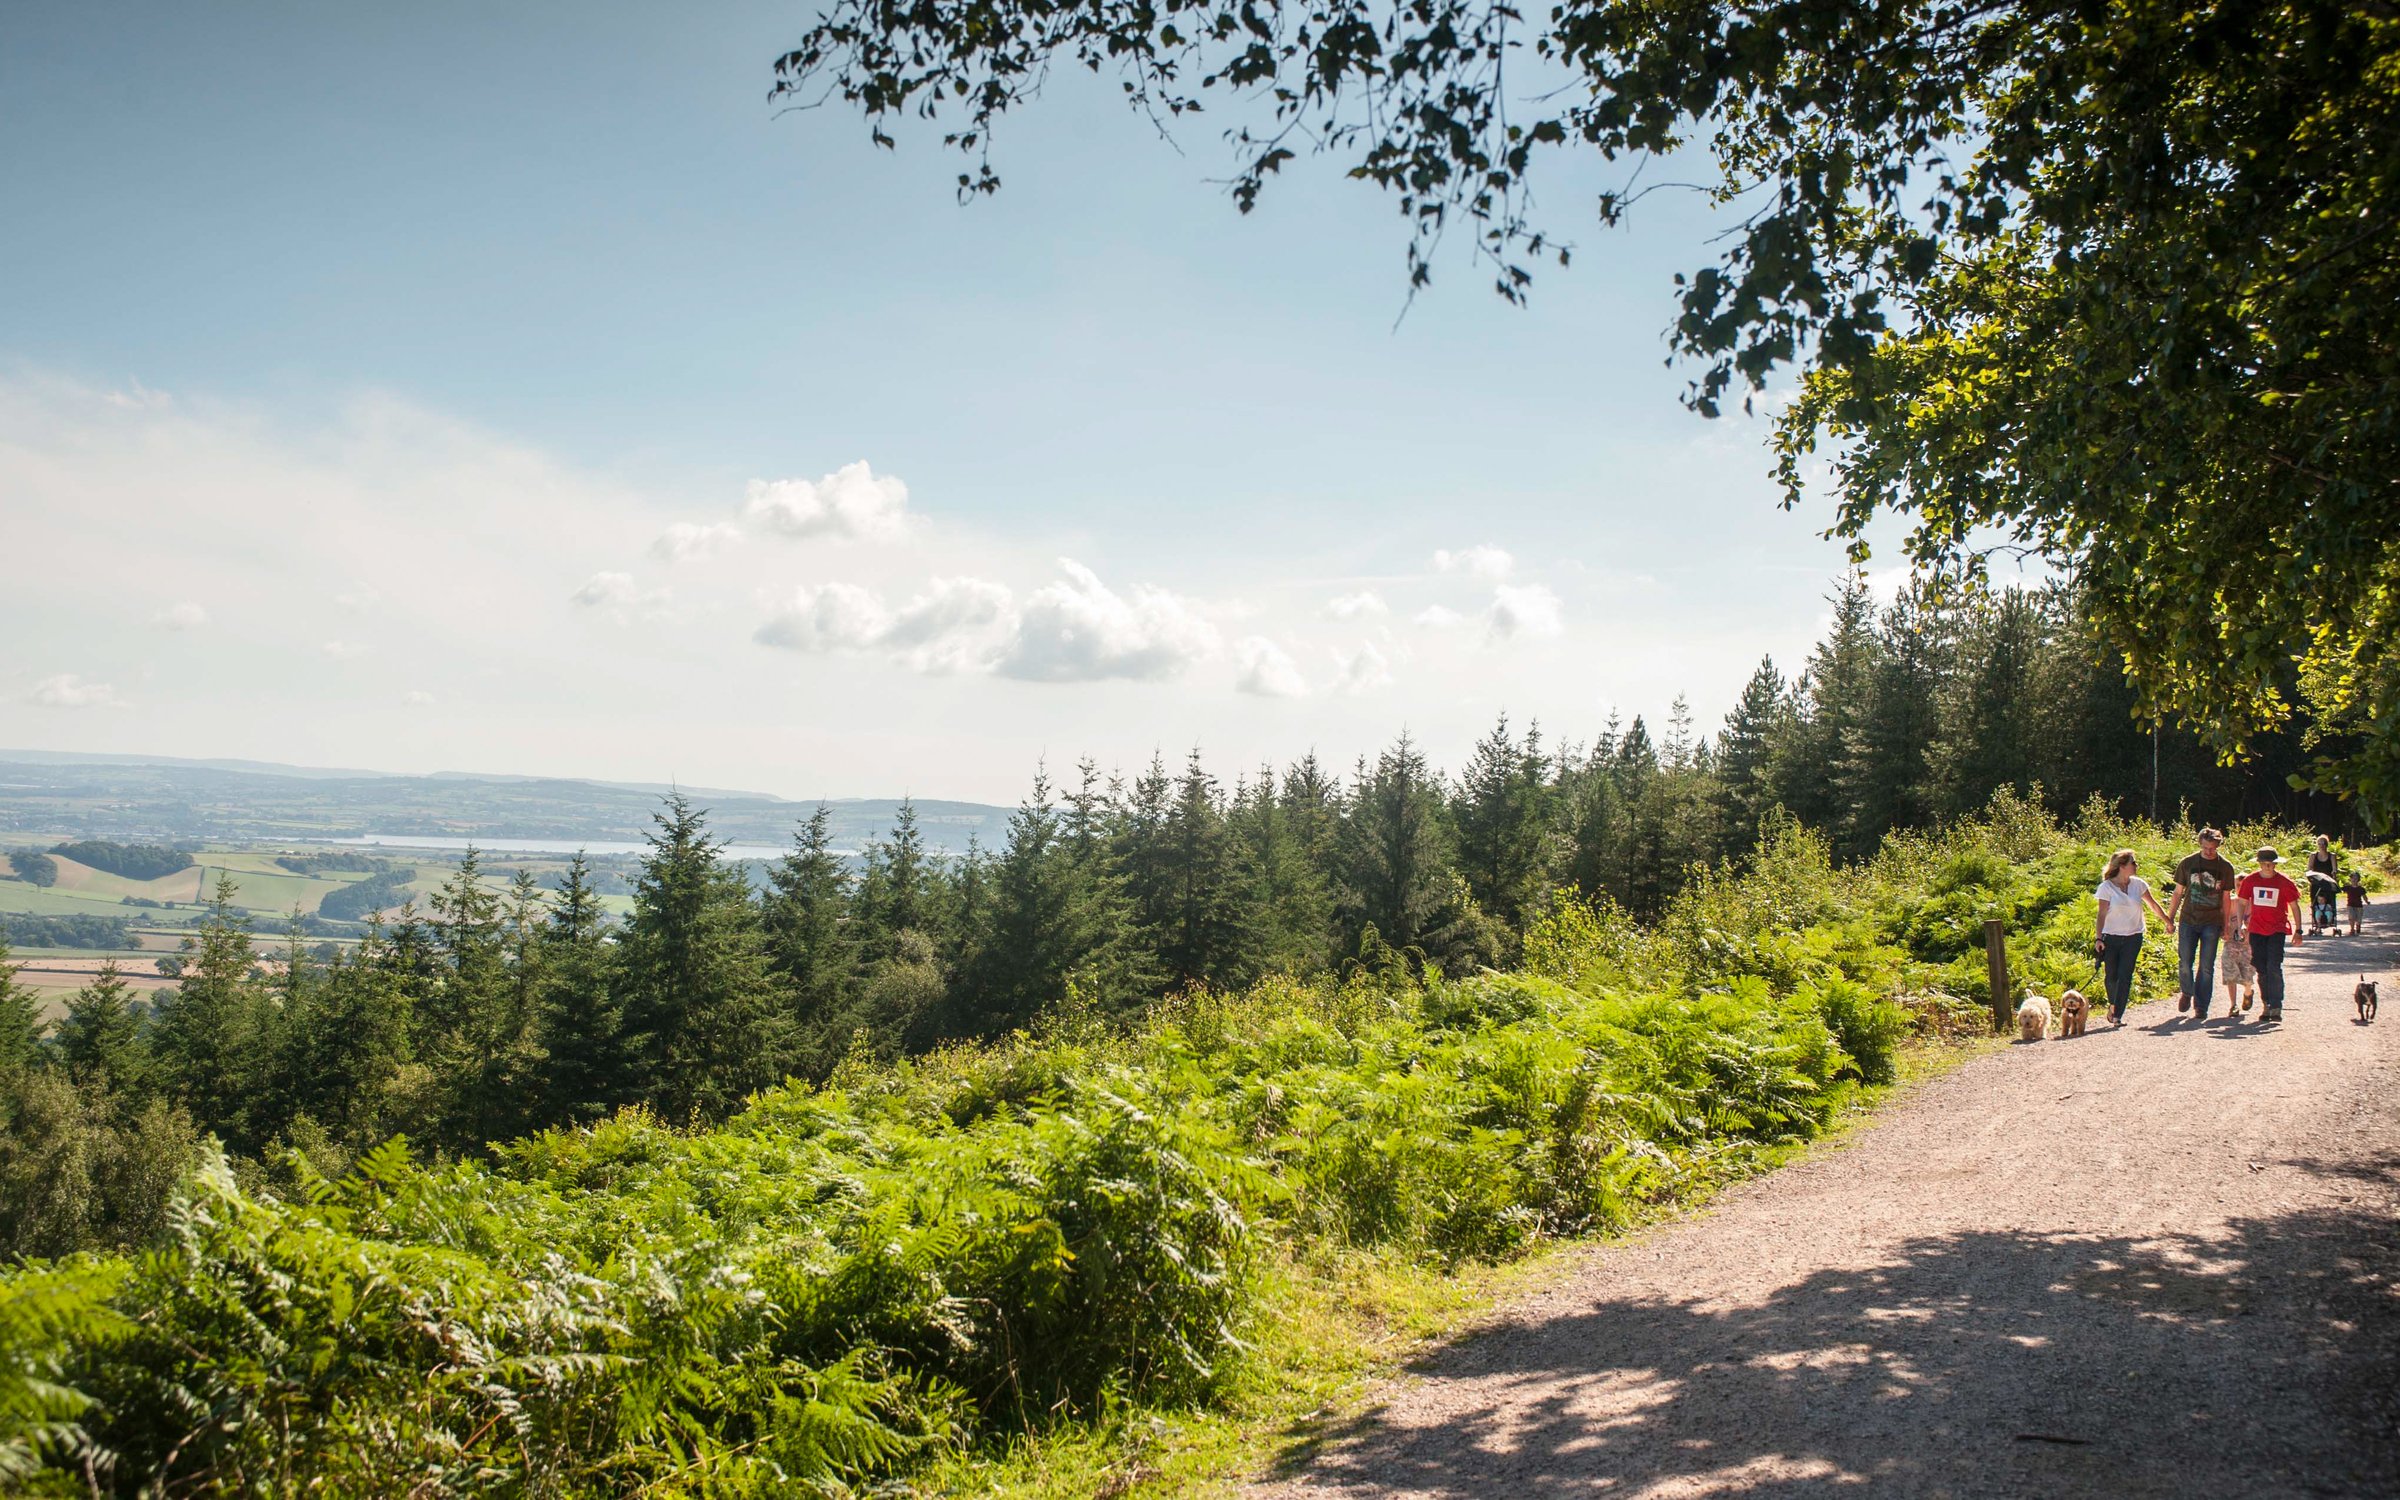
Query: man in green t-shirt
x=2203 y=885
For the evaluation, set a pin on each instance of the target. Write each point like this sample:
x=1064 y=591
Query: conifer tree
x=587 y=1059
x=1746 y=750
x=348 y=1064
x=1504 y=820
x=1209 y=934
x=807 y=916
x=694 y=977
x=1293 y=890
x=1888 y=778
x=20 y=1021
x=99 y=1039
x=1987 y=738
x=211 y=1039
x=1813 y=772
x=1395 y=857
x=897 y=893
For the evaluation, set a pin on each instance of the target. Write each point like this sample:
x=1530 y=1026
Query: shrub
x=34 y=868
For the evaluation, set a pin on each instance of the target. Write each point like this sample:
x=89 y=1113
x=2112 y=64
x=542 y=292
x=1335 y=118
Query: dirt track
x=2160 y=1261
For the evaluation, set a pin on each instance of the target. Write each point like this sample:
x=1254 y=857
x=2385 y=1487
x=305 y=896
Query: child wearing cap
x=2270 y=902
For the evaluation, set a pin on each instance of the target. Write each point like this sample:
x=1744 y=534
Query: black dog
x=2364 y=997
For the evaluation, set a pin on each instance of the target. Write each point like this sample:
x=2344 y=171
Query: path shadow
x=2259 y=1362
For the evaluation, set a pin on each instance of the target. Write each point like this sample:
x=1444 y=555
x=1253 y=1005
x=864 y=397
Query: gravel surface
x=2152 y=1261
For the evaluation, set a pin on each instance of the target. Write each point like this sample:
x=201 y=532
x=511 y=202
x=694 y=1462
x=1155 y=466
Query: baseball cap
x=2269 y=855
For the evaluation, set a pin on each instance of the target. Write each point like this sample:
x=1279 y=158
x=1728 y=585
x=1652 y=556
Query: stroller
x=2321 y=890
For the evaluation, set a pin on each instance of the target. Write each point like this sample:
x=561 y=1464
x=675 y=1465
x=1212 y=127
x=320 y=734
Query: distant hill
x=169 y=800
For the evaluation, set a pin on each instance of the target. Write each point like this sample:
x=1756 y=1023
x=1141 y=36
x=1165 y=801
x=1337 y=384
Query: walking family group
x=2244 y=918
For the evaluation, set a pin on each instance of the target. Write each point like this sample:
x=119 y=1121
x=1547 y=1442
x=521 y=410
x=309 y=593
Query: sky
x=515 y=389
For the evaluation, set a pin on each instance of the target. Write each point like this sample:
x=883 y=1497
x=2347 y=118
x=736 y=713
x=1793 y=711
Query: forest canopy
x=2107 y=282
x=132 y=861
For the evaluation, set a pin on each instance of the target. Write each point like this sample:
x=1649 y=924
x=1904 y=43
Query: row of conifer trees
x=499 y=1008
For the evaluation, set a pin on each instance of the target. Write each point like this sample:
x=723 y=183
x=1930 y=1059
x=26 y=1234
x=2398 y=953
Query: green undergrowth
x=1073 y=1260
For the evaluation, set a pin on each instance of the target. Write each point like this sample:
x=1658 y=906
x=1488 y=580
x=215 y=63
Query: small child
x=2235 y=968
x=2320 y=902
x=2356 y=890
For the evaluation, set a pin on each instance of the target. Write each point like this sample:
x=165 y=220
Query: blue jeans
x=2266 y=953
x=2117 y=953
x=2196 y=961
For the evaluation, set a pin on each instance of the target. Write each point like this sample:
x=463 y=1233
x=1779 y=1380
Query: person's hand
x=2099 y=948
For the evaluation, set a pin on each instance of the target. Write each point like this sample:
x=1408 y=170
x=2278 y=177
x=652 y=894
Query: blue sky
x=386 y=348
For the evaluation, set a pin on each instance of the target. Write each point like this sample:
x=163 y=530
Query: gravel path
x=2159 y=1261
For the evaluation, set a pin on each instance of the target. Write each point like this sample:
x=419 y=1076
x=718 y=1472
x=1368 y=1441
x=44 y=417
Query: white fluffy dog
x=2033 y=1019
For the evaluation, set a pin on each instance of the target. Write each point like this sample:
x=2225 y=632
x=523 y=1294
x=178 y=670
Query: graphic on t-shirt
x=2265 y=895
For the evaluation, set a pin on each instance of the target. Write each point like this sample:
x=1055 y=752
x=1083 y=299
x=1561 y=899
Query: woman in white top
x=2117 y=936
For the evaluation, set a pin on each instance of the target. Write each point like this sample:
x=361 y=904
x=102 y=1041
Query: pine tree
x=1053 y=919
x=588 y=1060
x=1504 y=819
x=1294 y=890
x=1597 y=823
x=1813 y=772
x=1987 y=738
x=1746 y=751
x=100 y=1037
x=1888 y=778
x=20 y=1022
x=1395 y=858
x=211 y=1036
x=347 y=1059
x=896 y=894
x=807 y=914
x=694 y=977
x=1209 y=928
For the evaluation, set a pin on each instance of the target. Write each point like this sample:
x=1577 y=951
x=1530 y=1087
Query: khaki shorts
x=2233 y=962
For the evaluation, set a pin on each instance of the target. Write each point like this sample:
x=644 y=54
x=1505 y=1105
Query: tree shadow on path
x=2257 y=1361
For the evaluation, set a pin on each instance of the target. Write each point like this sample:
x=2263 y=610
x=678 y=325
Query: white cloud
x=956 y=625
x=620 y=594
x=184 y=616
x=66 y=690
x=418 y=698
x=1083 y=631
x=1486 y=562
x=1263 y=669
x=1075 y=630
x=1353 y=606
x=852 y=503
x=345 y=650
x=1522 y=610
x=685 y=540
x=827 y=617
x=1363 y=670
x=1437 y=617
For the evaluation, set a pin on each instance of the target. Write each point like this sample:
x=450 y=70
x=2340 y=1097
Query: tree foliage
x=2108 y=281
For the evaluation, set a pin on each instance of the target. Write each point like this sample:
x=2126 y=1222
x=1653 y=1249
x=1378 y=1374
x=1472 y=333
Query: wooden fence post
x=1995 y=959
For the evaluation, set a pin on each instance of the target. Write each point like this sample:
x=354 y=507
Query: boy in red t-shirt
x=2269 y=899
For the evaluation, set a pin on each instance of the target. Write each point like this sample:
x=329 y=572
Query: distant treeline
x=362 y=898
x=132 y=861
x=33 y=867
x=25 y=930
x=335 y=864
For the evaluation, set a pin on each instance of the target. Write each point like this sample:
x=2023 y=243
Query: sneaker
x=2270 y=1017
x=2200 y=1015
